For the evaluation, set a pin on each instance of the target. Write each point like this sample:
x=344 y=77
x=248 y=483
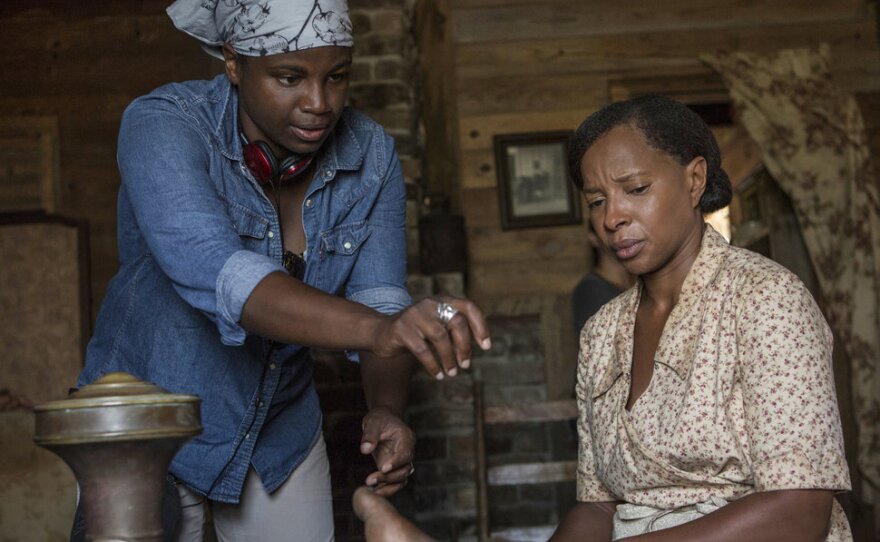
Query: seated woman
x=706 y=394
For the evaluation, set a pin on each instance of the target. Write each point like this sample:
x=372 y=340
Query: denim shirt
x=196 y=234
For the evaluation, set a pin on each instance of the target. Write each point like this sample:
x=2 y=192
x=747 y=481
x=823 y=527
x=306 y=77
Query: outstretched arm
x=195 y=237
x=284 y=309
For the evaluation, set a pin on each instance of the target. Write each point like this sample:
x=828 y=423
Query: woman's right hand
x=440 y=347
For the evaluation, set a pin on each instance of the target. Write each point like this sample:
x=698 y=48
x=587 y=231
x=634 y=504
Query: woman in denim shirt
x=257 y=216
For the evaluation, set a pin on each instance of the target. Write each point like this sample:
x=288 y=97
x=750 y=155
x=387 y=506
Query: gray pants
x=301 y=510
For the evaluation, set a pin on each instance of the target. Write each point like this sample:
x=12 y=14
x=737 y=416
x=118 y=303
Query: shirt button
x=328 y=173
x=261 y=403
x=346 y=245
x=271 y=234
x=309 y=202
x=272 y=366
x=247 y=436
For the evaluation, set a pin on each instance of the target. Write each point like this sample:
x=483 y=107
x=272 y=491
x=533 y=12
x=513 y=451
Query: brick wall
x=441 y=496
x=383 y=87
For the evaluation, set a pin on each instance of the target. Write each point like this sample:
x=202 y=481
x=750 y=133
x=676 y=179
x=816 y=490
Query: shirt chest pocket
x=340 y=248
x=344 y=240
x=251 y=227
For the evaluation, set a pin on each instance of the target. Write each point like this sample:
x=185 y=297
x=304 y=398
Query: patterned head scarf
x=263 y=27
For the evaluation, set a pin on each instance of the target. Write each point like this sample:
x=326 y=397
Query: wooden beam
x=614 y=53
x=531 y=412
x=604 y=17
x=435 y=49
x=532 y=473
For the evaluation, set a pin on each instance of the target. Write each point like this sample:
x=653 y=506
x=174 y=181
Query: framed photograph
x=534 y=188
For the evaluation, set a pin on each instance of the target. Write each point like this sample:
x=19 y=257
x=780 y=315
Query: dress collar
x=683 y=322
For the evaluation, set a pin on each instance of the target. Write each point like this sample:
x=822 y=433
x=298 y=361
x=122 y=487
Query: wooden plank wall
x=516 y=66
x=540 y=65
x=82 y=63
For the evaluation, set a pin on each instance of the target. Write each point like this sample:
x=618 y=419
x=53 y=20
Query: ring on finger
x=445 y=312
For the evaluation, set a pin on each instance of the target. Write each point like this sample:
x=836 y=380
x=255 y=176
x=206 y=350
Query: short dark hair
x=668 y=126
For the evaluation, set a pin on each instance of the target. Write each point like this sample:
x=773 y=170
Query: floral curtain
x=813 y=142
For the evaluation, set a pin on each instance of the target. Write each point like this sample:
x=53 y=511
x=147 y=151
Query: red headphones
x=265 y=168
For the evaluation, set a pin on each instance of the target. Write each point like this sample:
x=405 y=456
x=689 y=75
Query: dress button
x=271 y=234
x=309 y=202
x=346 y=245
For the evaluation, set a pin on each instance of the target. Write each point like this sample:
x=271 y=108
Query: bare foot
x=382 y=523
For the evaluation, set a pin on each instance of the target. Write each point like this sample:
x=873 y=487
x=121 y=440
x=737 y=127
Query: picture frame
x=534 y=186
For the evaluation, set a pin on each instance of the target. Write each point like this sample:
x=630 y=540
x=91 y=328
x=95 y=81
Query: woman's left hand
x=391 y=442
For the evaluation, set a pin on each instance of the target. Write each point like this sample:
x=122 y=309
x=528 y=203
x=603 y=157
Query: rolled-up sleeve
x=237 y=279
x=164 y=161
x=792 y=419
x=387 y=300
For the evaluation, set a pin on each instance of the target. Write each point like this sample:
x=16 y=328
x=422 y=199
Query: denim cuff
x=386 y=299
x=237 y=279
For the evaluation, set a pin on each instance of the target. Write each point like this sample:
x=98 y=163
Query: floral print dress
x=741 y=400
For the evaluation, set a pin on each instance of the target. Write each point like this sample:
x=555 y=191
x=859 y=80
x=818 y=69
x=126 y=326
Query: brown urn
x=119 y=435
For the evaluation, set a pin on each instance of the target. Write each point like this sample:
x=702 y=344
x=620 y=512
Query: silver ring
x=445 y=312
